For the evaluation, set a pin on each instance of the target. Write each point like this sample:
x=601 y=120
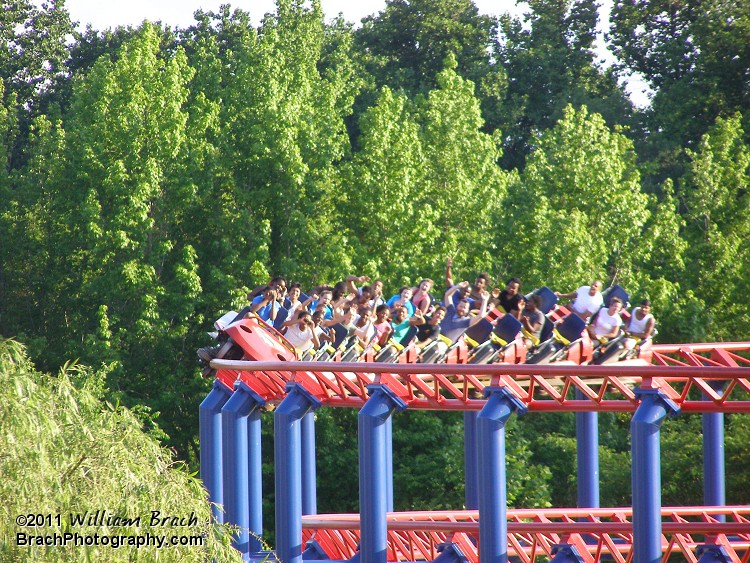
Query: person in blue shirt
x=402 y=299
x=457 y=318
x=265 y=305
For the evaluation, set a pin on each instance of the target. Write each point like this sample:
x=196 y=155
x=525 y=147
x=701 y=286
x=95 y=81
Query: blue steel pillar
x=242 y=468
x=646 y=473
x=493 y=525
x=210 y=446
x=587 y=453
x=389 y=464
x=471 y=495
x=288 y=464
x=713 y=457
x=373 y=473
x=309 y=473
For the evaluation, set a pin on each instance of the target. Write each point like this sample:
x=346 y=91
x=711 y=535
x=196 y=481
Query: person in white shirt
x=364 y=326
x=641 y=325
x=607 y=323
x=300 y=333
x=588 y=299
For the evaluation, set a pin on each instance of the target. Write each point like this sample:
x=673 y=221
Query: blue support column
x=389 y=464
x=646 y=473
x=210 y=447
x=373 y=473
x=493 y=525
x=713 y=457
x=242 y=468
x=309 y=473
x=288 y=464
x=471 y=495
x=587 y=453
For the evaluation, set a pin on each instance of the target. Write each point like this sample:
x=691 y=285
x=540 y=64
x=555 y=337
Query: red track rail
x=685 y=373
x=532 y=533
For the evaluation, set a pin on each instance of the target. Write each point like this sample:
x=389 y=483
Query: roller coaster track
x=534 y=534
x=697 y=377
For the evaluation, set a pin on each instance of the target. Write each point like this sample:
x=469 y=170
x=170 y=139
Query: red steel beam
x=414 y=536
x=607 y=388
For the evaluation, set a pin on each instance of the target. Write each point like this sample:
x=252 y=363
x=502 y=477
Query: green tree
x=231 y=239
x=32 y=221
x=381 y=184
x=418 y=164
x=66 y=451
x=33 y=57
x=465 y=186
x=127 y=282
x=404 y=46
x=695 y=55
x=8 y=209
x=577 y=211
x=658 y=271
x=33 y=48
x=717 y=199
x=284 y=131
x=549 y=56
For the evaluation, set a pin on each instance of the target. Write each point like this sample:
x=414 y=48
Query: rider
x=382 y=324
x=265 y=305
x=402 y=299
x=607 y=323
x=532 y=320
x=457 y=318
x=428 y=328
x=400 y=324
x=300 y=333
x=509 y=298
x=588 y=299
x=641 y=325
x=476 y=290
x=421 y=298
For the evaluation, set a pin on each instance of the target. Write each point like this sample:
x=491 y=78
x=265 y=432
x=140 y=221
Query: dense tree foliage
x=717 y=198
x=149 y=177
x=577 y=210
x=406 y=44
x=551 y=62
x=66 y=451
x=695 y=55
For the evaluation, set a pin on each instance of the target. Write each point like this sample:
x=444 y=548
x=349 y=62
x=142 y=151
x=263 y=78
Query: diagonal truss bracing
x=534 y=533
x=698 y=377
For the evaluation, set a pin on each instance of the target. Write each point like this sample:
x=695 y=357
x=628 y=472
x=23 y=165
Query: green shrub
x=64 y=451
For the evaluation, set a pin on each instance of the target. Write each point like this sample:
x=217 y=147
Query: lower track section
x=538 y=535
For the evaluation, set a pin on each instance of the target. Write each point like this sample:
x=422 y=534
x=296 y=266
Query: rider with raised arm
x=588 y=299
x=428 y=328
x=476 y=290
x=300 y=332
x=457 y=318
x=265 y=305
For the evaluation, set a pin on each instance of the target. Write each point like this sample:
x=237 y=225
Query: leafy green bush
x=64 y=451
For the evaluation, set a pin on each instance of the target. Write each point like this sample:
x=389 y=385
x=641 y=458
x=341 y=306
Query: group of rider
x=360 y=306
